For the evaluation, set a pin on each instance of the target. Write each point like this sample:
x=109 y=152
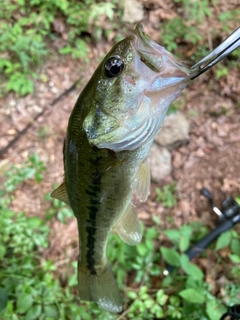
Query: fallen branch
x=40 y=114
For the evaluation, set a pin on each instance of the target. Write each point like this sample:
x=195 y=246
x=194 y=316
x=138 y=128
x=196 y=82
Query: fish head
x=131 y=92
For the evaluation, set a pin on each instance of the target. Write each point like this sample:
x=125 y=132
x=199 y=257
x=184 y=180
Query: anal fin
x=61 y=193
x=128 y=227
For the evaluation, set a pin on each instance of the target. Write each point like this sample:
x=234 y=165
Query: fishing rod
x=228 y=216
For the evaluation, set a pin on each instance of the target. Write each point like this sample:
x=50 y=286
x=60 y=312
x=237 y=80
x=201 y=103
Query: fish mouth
x=139 y=32
x=146 y=49
x=157 y=57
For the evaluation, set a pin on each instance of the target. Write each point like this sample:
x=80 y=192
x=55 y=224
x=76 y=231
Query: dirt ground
x=210 y=159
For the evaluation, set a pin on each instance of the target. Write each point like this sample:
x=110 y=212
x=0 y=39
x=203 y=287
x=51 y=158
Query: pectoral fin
x=128 y=227
x=142 y=182
x=61 y=193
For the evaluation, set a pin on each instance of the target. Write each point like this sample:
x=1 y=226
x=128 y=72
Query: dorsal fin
x=128 y=227
x=142 y=182
x=61 y=193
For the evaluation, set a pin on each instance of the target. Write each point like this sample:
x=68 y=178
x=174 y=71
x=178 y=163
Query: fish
x=110 y=131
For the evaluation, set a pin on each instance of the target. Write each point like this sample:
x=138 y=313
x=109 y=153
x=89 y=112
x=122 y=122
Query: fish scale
x=109 y=135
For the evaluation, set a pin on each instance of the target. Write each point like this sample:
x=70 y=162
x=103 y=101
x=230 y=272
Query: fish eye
x=113 y=67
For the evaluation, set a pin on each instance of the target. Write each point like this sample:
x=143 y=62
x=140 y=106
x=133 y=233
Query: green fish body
x=110 y=132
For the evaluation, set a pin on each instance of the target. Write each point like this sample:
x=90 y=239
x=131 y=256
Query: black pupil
x=113 y=67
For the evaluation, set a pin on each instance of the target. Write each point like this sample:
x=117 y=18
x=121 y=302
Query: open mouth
x=157 y=57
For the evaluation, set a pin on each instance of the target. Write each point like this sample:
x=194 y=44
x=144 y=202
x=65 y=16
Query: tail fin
x=102 y=289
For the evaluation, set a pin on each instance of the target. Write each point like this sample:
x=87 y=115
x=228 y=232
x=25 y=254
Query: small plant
x=31 y=168
x=30 y=288
x=149 y=306
x=227 y=17
x=26 y=28
x=196 y=10
x=175 y=30
x=166 y=195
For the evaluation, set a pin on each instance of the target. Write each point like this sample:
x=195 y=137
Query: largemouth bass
x=109 y=134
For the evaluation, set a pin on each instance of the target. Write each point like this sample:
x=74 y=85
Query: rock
x=174 y=132
x=132 y=11
x=160 y=162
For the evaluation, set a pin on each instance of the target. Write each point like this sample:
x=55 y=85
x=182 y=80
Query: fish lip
x=139 y=32
x=145 y=46
x=144 y=42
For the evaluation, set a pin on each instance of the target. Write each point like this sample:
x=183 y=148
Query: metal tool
x=216 y=55
x=228 y=217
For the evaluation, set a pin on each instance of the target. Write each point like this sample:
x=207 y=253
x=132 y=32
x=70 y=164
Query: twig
x=123 y=314
x=30 y=124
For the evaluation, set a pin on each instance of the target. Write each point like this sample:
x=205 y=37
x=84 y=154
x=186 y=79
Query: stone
x=132 y=11
x=174 y=132
x=159 y=160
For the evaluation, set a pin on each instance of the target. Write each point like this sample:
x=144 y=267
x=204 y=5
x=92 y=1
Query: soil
x=210 y=159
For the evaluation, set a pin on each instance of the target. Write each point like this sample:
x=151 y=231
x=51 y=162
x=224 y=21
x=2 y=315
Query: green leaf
x=175 y=301
x=234 y=258
x=167 y=281
x=192 y=295
x=161 y=297
x=172 y=234
x=171 y=256
x=223 y=240
x=195 y=271
x=3 y=298
x=156 y=220
x=185 y=234
x=24 y=302
x=35 y=222
x=50 y=311
x=190 y=268
x=132 y=295
x=237 y=199
x=100 y=9
x=143 y=290
x=214 y=309
x=235 y=246
x=66 y=50
x=151 y=233
x=2 y=251
x=158 y=311
x=33 y=313
x=149 y=303
x=183 y=243
x=73 y=281
x=142 y=249
x=64 y=213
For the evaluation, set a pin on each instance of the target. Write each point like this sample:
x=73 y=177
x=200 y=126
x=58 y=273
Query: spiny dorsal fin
x=128 y=227
x=61 y=193
x=142 y=182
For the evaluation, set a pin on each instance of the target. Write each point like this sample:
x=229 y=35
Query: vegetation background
x=47 y=46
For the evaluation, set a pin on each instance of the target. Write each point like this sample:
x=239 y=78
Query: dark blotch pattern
x=92 y=191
